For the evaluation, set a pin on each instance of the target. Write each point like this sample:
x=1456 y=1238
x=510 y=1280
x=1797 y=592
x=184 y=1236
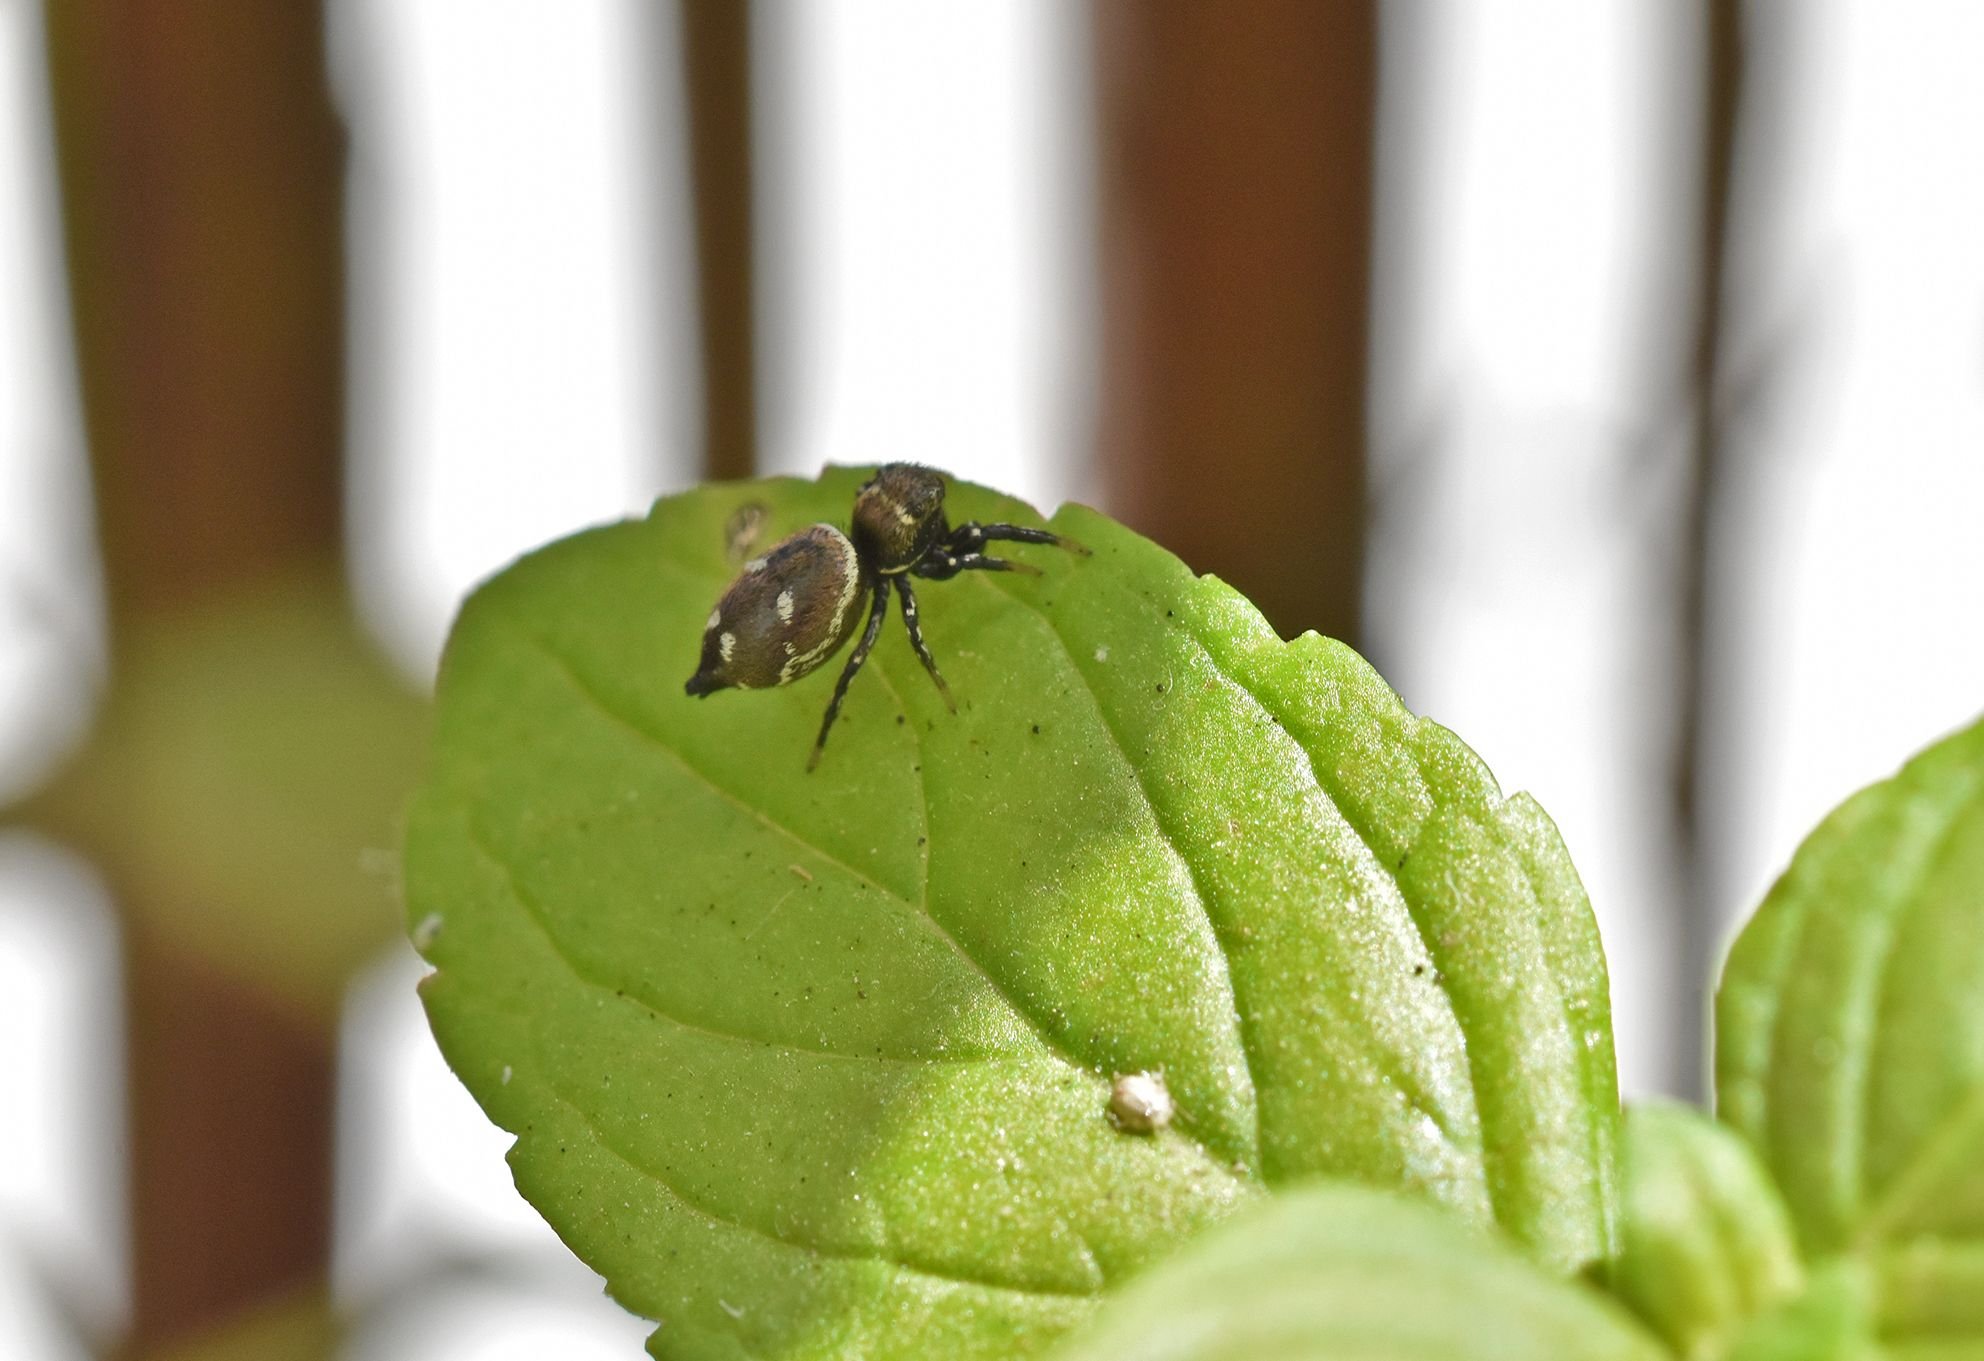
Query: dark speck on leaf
x=900 y=720
x=1036 y=727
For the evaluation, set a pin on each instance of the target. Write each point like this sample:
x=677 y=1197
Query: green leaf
x=1351 y=1274
x=817 y=1065
x=1850 y=1041
x=1832 y=1319
x=1705 y=1243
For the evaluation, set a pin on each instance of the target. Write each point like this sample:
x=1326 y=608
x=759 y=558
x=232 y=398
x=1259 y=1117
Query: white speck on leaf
x=507 y=1074
x=1102 y=654
x=1140 y=1103
x=427 y=932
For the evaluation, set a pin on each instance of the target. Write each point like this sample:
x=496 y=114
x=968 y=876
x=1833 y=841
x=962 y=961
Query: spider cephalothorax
x=794 y=607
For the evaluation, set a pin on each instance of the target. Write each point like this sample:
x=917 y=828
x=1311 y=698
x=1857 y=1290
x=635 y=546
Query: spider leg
x=939 y=564
x=915 y=628
x=968 y=538
x=978 y=562
x=860 y=655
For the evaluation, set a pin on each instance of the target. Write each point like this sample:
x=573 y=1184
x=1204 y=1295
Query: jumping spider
x=794 y=607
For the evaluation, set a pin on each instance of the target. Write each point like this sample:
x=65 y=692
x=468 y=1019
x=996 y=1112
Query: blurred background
x=1611 y=373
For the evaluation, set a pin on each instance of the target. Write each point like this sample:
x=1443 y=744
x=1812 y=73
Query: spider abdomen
x=788 y=612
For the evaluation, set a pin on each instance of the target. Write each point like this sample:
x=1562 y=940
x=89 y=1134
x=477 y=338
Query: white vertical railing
x=925 y=259
x=513 y=257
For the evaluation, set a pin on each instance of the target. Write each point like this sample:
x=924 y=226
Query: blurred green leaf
x=246 y=778
x=293 y=1327
x=1850 y=1043
x=1705 y=1243
x=817 y=1065
x=1830 y=1320
x=1350 y=1274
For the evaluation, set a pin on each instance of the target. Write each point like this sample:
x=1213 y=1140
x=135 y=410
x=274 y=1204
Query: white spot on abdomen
x=716 y=617
x=726 y=643
x=784 y=603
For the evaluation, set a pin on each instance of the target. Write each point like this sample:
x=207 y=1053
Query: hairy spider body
x=793 y=608
x=786 y=613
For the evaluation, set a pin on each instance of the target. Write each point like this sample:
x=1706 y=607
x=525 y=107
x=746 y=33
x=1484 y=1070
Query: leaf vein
x=1862 y=1073
x=1169 y=835
x=534 y=913
x=923 y=917
x=1402 y=1078
x=922 y=780
x=719 y=1219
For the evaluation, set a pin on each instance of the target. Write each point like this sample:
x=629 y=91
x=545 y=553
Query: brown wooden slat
x=716 y=63
x=1699 y=658
x=1235 y=167
x=202 y=175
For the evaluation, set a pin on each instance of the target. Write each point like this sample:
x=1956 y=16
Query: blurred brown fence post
x=716 y=76
x=202 y=174
x=1698 y=630
x=1235 y=164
